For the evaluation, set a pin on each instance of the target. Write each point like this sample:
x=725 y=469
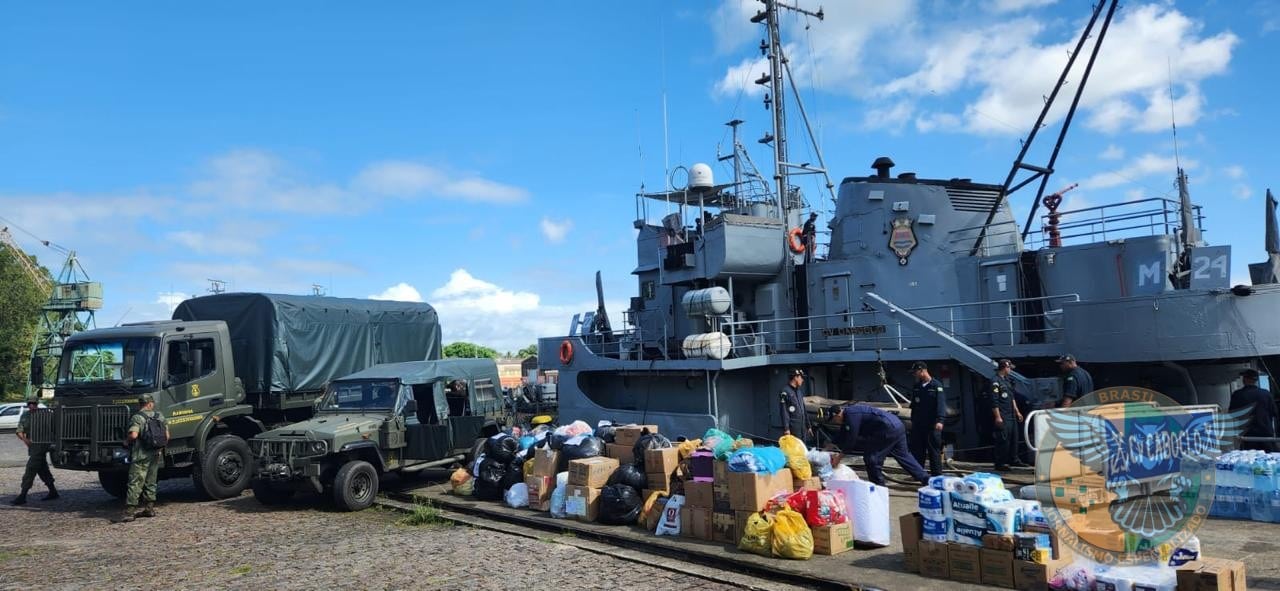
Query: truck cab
x=188 y=368
x=395 y=417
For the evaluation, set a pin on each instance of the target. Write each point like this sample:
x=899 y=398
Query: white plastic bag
x=558 y=496
x=843 y=472
x=518 y=495
x=669 y=523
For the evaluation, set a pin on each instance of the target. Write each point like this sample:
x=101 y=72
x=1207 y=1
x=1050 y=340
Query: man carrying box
x=878 y=434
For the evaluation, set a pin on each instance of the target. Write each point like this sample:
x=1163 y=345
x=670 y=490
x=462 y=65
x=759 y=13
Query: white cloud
x=1144 y=166
x=1242 y=191
x=1017 y=5
x=1134 y=195
x=555 y=230
x=463 y=291
x=1235 y=171
x=400 y=292
x=238 y=238
x=171 y=299
x=1113 y=152
x=397 y=178
x=731 y=23
x=892 y=118
x=937 y=121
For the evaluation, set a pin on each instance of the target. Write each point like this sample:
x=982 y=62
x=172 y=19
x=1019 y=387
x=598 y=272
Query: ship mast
x=775 y=100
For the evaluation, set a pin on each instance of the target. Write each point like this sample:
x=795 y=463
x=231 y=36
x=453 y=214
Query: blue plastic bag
x=766 y=460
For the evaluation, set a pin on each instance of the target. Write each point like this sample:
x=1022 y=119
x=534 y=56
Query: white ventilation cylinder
x=700 y=177
x=706 y=302
x=708 y=345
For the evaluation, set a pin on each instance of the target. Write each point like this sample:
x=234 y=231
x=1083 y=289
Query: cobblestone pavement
x=238 y=544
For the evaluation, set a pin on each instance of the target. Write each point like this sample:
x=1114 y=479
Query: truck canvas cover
x=299 y=343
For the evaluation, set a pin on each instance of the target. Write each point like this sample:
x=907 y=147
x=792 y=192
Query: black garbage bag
x=648 y=441
x=556 y=440
x=629 y=475
x=606 y=432
x=501 y=447
x=514 y=475
x=586 y=447
x=619 y=505
x=489 y=480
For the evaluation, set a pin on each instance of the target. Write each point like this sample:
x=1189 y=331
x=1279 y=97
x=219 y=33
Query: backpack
x=154 y=434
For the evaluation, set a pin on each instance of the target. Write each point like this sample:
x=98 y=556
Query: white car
x=10 y=413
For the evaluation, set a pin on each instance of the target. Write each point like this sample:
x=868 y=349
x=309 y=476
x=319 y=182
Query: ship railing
x=997 y=238
x=994 y=322
x=1152 y=216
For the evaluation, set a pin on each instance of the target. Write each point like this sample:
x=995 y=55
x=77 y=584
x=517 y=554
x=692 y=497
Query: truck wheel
x=116 y=482
x=269 y=494
x=224 y=469
x=355 y=485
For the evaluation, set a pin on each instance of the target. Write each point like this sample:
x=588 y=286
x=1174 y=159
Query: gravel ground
x=238 y=544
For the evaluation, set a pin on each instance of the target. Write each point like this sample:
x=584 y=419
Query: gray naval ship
x=733 y=291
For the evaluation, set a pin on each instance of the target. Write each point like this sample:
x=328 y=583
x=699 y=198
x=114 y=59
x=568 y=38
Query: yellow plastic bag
x=686 y=448
x=791 y=536
x=757 y=536
x=461 y=482
x=528 y=467
x=742 y=442
x=795 y=451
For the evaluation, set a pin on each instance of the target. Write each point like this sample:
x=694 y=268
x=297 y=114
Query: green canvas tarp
x=288 y=343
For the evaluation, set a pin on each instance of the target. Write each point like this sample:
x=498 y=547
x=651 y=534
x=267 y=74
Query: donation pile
x=971 y=529
x=1246 y=486
x=786 y=501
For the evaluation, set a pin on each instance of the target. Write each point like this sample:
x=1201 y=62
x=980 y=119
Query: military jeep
x=394 y=417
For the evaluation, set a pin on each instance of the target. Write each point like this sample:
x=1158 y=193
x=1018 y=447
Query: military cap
x=1066 y=358
x=1250 y=373
x=919 y=365
x=145 y=398
x=796 y=372
x=1005 y=363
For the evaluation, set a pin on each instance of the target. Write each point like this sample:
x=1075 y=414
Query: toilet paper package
x=1032 y=515
x=1004 y=519
x=936 y=530
x=934 y=500
x=981 y=482
x=964 y=533
x=947 y=483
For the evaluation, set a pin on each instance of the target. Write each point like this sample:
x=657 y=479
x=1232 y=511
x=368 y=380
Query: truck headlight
x=318 y=447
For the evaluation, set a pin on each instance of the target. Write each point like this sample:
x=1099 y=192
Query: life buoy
x=566 y=352
x=794 y=242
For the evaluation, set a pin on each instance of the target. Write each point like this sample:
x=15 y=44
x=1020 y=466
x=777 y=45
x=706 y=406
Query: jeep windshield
x=120 y=364
x=362 y=395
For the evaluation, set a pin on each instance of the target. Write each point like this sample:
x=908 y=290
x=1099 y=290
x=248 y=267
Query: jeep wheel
x=223 y=470
x=270 y=494
x=116 y=483
x=355 y=486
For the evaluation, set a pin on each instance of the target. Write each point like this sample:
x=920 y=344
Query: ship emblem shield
x=902 y=239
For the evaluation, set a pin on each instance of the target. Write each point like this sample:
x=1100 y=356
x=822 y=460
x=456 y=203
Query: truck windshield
x=361 y=395
x=127 y=362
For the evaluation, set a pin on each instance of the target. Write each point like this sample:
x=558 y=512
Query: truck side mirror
x=37 y=370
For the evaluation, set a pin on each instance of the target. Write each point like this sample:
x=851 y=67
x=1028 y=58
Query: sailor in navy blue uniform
x=878 y=434
x=1005 y=415
x=928 y=409
x=791 y=400
x=1076 y=382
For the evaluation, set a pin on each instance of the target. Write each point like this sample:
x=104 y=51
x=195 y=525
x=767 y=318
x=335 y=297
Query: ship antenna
x=1173 y=117
x=666 y=142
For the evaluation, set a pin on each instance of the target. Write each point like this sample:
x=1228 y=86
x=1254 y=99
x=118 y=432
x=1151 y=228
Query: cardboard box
x=964 y=563
x=1212 y=574
x=934 y=561
x=592 y=472
x=545 y=462
x=997 y=567
x=660 y=482
x=630 y=434
x=582 y=502
x=653 y=512
x=540 y=488
x=811 y=483
x=1033 y=576
x=720 y=497
x=1026 y=543
x=696 y=523
x=702 y=466
x=625 y=454
x=721 y=472
x=909 y=529
x=699 y=494
x=829 y=540
x=661 y=461
x=749 y=491
x=724 y=528
x=998 y=542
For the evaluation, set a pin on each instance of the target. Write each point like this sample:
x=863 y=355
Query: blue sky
x=485 y=159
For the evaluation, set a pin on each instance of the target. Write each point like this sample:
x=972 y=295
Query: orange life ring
x=566 y=352
x=794 y=242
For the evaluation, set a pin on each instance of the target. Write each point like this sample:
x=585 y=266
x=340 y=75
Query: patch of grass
x=425 y=514
x=243 y=569
x=19 y=553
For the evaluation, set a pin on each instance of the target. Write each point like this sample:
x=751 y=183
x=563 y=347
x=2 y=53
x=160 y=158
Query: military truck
x=224 y=369
x=395 y=417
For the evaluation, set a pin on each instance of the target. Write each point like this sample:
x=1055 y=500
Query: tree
x=529 y=351
x=463 y=349
x=20 y=300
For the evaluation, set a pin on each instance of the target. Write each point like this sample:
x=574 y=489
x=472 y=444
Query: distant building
x=512 y=371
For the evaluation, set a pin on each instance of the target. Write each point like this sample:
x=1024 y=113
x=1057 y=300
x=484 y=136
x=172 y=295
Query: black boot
x=52 y=495
x=21 y=499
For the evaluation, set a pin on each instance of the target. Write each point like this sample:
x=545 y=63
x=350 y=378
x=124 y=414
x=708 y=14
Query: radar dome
x=700 y=177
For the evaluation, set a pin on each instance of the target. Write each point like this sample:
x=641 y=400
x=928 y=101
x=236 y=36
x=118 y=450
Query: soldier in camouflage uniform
x=144 y=464
x=37 y=457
